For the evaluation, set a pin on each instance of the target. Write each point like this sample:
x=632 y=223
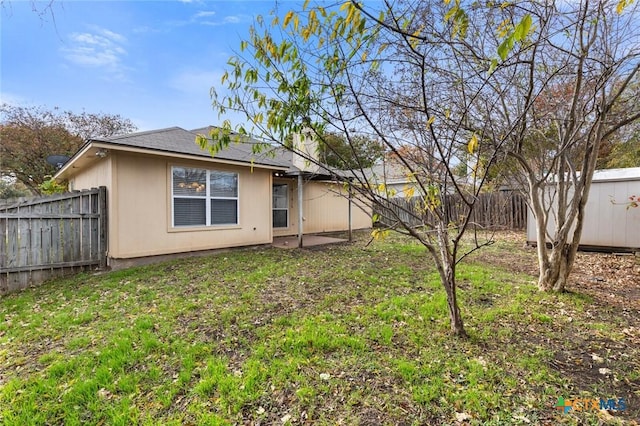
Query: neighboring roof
x=388 y=171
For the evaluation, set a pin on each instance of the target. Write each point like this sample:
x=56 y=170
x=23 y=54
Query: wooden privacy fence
x=45 y=237
x=494 y=211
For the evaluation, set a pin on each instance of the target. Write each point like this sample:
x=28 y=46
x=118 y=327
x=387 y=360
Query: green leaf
x=451 y=13
x=522 y=29
x=505 y=47
x=461 y=24
x=493 y=66
x=527 y=21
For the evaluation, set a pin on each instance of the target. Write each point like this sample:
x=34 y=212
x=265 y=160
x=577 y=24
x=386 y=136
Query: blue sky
x=153 y=62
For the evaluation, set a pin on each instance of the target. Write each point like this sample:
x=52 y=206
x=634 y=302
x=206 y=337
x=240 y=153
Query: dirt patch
x=612 y=279
x=611 y=282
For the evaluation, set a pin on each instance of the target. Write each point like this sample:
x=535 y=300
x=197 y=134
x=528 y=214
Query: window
x=204 y=197
x=280 y=205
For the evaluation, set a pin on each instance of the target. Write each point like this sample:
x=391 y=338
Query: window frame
x=207 y=197
x=273 y=208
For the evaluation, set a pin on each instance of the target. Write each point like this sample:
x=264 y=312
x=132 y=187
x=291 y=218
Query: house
x=166 y=195
x=393 y=178
x=610 y=222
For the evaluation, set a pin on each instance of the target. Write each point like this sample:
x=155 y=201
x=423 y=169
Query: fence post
x=102 y=233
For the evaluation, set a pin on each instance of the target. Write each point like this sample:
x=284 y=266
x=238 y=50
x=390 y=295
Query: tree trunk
x=457 y=326
x=554 y=273
x=447 y=270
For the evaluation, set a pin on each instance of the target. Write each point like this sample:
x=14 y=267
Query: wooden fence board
x=503 y=210
x=47 y=237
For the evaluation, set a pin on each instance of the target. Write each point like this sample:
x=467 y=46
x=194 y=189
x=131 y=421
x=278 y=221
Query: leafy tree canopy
x=360 y=151
x=29 y=135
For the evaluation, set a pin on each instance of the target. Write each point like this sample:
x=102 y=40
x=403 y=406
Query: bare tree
x=577 y=86
x=450 y=84
x=412 y=75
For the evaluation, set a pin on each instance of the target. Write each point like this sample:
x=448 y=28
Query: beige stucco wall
x=96 y=174
x=140 y=207
x=325 y=209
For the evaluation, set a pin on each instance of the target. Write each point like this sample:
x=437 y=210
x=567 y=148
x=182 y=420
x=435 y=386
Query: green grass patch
x=350 y=334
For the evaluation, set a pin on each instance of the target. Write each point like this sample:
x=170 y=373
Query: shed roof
x=612 y=175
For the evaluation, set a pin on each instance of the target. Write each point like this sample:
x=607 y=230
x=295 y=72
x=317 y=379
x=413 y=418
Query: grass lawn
x=345 y=334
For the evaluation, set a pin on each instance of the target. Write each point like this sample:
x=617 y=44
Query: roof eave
x=66 y=171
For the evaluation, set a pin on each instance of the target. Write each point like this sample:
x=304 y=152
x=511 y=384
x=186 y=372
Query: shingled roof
x=176 y=141
x=180 y=141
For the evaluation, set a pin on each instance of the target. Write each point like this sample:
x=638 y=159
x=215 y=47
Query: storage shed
x=608 y=224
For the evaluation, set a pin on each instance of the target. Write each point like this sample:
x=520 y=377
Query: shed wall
x=607 y=223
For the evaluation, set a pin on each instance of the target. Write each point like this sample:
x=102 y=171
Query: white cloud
x=211 y=18
x=230 y=19
x=204 y=14
x=100 y=48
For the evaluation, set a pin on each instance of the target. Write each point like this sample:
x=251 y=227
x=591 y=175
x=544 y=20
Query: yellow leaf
x=364 y=56
x=431 y=120
x=379 y=234
x=409 y=191
x=622 y=4
x=287 y=18
x=306 y=33
x=473 y=144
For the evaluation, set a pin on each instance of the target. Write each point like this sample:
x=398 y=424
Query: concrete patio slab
x=307 y=241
